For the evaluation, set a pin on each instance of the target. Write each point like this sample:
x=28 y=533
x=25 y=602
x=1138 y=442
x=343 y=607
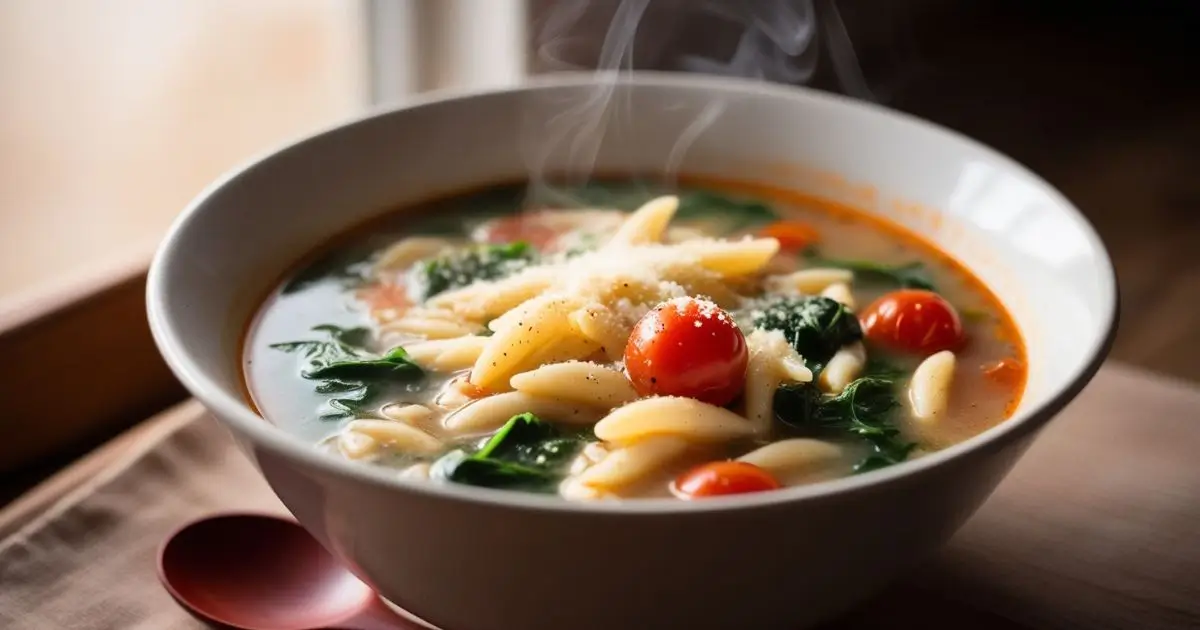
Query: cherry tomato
x=792 y=235
x=687 y=347
x=719 y=478
x=530 y=227
x=913 y=320
x=1007 y=372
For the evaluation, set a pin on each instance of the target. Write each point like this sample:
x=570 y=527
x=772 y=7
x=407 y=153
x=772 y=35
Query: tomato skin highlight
x=687 y=347
x=792 y=235
x=724 y=478
x=913 y=321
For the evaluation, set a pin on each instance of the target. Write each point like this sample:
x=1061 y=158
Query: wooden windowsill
x=81 y=367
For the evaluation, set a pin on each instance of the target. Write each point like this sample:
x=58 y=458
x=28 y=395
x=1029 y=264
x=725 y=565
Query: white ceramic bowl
x=468 y=558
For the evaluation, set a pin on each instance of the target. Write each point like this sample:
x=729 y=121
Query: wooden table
x=1096 y=527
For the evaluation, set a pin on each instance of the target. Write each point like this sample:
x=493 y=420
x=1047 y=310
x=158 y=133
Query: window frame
x=415 y=46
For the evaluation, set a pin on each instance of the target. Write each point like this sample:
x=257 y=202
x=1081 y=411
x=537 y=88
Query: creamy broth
x=322 y=357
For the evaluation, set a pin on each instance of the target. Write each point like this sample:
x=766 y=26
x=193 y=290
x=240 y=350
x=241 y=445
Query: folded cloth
x=90 y=560
x=1094 y=529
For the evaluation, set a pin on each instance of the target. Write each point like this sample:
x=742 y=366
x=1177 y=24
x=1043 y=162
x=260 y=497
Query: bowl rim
x=241 y=418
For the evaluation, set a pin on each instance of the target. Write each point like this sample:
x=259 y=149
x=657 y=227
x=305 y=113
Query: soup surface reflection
x=625 y=340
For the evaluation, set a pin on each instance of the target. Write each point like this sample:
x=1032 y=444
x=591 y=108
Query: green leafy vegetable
x=883 y=369
x=974 y=314
x=343 y=344
x=596 y=194
x=735 y=215
x=863 y=410
x=815 y=326
x=394 y=363
x=527 y=453
x=349 y=268
x=911 y=275
x=462 y=267
x=345 y=369
x=527 y=440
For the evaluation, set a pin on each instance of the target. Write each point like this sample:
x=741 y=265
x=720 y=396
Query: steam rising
x=776 y=42
x=772 y=40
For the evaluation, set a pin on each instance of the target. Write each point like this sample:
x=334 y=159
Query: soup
x=624 y=340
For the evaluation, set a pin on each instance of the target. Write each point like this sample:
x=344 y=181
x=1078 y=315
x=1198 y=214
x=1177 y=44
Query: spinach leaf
x=349 y=268
x=356 y=337
x=526 y=453
x=459 y=467
x=394 y=363
x=863 y=410
x=528 y=440
x=345 y=369
x=885 y=454
x=912 y=275
x=975 y=315
x=883 y=369
x=352 y=403
x=596 y=194
x=462 y=267
x=735 y=215
x=343 y=345
x=815 y=326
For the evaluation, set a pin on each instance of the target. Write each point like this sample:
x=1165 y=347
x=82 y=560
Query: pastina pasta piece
x=686 y=418
x=577 y=381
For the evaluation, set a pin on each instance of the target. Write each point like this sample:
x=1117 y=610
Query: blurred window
x=116 y=113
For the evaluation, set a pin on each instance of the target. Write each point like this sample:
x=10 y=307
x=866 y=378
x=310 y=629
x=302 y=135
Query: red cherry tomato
x=687 y=347
x=913 y=320
x=719 y=478
x=530 y=227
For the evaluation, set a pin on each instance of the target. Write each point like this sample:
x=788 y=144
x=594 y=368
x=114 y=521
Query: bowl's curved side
x=788 y=566
x=791 y=556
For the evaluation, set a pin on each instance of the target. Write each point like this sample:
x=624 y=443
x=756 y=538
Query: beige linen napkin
x=1097 y=528
x=89 y=561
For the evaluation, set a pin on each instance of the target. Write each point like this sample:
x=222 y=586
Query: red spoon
x=259 y=572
